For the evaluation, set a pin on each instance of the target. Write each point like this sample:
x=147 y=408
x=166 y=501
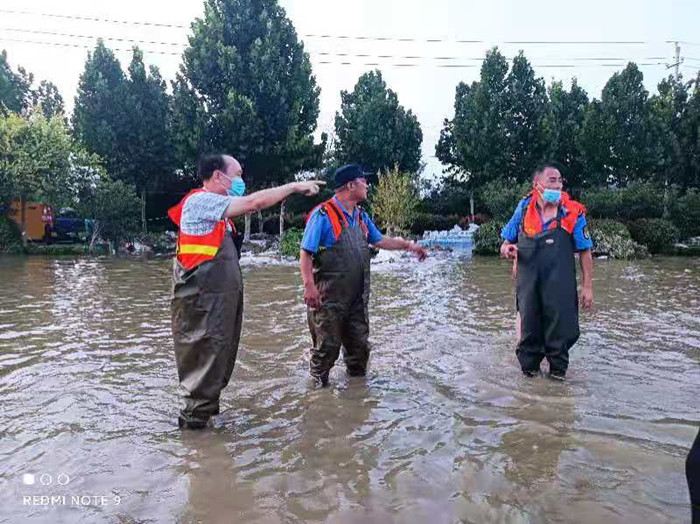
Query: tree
x=475 y=143
x=564 y=122
x=114 y=206
x=527 y=109
x=40 y=161
x=15 y=88
x=148 y=159
x=691 y=136
x=49 y=99
x=245 y=87
x=99 y=117
x=617 y=133
x=372 y=128
x=395 y=200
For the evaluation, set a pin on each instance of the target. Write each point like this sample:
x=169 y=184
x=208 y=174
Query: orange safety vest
x=192 y=250
x=337 y=217
x=532 y=222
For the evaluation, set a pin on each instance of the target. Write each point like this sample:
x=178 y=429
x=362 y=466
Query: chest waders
x=547 y=300
x=207 y=313
x=342 y=276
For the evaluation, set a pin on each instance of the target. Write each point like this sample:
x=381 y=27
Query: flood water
x=444 y=428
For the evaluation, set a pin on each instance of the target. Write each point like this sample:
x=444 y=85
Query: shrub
x=10 y=236
x=685 y=214
x=57 y=249
x=501 y=198
x=657 y=234
x=487 y=239
x=638 y=200
x=423 y=222
x=291 y=243
x=613 y=239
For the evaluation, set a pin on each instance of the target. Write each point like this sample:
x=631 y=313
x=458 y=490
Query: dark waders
x=547 y=299
x=341 y=274
x=207 y=313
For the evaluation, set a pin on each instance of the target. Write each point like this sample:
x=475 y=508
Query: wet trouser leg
x=325 y=325
x=560 y=316
x=692 y=473
x=207 y=333
x=530 y=350
x=355 y=339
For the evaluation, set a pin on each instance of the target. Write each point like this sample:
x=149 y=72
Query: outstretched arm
x=399 y=244
x=269 y=197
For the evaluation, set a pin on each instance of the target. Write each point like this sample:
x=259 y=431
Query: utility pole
x=677 y=62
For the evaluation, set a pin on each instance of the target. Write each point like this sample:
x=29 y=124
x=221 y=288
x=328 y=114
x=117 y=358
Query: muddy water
x=444 y=429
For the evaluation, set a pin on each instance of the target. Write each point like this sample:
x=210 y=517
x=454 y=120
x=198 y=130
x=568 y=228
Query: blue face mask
x=553 y=196
x=237 y=187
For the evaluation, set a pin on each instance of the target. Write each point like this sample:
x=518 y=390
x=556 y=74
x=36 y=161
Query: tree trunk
x=666 y=212
x=282 y=219
x=246 y=230
x=23 y=219
x=95 y=235
x=144 y=229
x=260 y=221
x=471 y=203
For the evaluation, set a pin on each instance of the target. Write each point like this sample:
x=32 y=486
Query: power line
x=347 y=37
x=345 y=63
x=319 y=53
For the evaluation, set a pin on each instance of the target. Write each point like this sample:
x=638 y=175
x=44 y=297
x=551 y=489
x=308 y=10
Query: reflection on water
x=444 y=429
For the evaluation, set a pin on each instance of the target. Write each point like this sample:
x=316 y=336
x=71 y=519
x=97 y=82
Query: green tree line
x=246 y=86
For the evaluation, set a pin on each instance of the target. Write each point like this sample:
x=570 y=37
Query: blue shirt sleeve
x=512 y=228
x=313 y=232
x=373 y=233
x=582 y=237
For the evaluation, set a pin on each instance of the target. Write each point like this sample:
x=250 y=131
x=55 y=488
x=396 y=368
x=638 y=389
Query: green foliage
x=563 y=123
x=657 y=234
x=15 y=88
x=99 y=116
x=502 y=199
x=40 y=161
x=423 y=222
x=47 y=97
x=53 y=250
x=10 y=236
x=125 y=120
x=395 y=201
x=613 y=239
x=638 y=200
x=291 y=243
x=685 y=214
x=527 y=109
x=374 y=129
x=618 y=135
x=475 y=142
x=115 y=207
x=487 y=239
x=246 y=87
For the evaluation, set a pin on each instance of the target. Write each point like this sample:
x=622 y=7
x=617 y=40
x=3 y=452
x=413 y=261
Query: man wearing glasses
x=335 y=261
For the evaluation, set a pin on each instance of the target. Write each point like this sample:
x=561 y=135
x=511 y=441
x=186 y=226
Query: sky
x=443 y=32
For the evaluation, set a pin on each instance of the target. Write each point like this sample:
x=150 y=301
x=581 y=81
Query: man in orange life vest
x=547 y=228
x=335 y=259
x=207 y=303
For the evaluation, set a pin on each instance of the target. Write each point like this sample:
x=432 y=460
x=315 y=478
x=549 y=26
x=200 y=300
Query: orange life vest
x=337 y=217
x=192 y=250
x=532 y=222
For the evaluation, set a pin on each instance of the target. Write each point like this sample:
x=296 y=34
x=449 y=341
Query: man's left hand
x=586 y=297
x=419 y=250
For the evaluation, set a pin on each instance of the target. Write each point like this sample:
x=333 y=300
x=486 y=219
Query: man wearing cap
x=335 y=261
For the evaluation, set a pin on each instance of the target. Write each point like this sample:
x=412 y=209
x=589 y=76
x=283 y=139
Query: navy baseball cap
x=351 y=172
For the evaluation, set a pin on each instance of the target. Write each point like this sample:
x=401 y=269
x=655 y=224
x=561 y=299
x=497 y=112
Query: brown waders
x=207 y=313
x=547 y=300
x=341 y=274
